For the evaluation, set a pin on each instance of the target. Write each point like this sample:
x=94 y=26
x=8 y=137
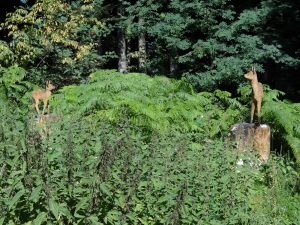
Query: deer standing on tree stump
x=38 y=95
x=257 y=92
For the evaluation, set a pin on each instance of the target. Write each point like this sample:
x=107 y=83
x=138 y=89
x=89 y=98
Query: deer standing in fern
x=38 y=95
x=257 y=92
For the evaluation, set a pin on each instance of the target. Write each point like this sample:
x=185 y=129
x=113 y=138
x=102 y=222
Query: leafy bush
x=14 y=90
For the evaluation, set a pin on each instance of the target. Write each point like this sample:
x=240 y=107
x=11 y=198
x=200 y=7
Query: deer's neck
x=48 y=92
x=255 y=86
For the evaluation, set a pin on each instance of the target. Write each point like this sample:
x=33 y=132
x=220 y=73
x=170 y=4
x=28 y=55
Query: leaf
x=65 y=211
x=132 y=216
x=35 y=193
x=16 y=198
x=122 y=201
x=23 y=145
x=40 y=218
x=54 y=155
x=12 y=163
x=138 y=207
x=79 y=205
x=143 y=221
x=54 y=208
x=24 y=167
x=105 y=189
x=94 y=220
x=225 y=179
x=143 y=185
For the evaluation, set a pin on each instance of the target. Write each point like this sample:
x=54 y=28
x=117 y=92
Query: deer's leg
x=45 y=104
x=252 y=110
x=37 y=106
x=258 y=110
x=48 y=109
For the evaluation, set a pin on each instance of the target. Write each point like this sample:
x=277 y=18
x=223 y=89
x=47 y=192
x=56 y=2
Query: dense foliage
x=156 y=153
x=149 y=146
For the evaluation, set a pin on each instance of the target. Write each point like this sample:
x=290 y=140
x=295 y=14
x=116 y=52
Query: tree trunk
x=100 y=49
x=142 y=45
x=128 y=47
x=174 y=66
x=122 y=65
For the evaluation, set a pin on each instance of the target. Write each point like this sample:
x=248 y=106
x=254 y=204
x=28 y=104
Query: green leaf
x=79 y=205
x=12 y=163
x=122 y=201
x=65 y=211
x=132 y=216
x=35 y=193
x=40 y=218
x=24 y=166
x=94 y=220
x=105 y=189
x=16 y=198
x=54 y=155
x=23 y=145
x=138 y=207
x=143 y=221
x=54 y=208
x=225 y=179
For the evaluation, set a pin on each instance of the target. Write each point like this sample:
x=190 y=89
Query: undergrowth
x=98 y=172
x=130 y=149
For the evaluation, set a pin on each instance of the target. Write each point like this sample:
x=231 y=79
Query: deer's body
x=38 y=95
x=257 y=92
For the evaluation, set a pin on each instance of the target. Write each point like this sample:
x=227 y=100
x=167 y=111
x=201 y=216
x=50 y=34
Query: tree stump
x=44 y=124
x=252 y=136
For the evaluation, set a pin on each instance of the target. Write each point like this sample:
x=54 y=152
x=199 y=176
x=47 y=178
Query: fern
x=152 y=103
x=110 y=94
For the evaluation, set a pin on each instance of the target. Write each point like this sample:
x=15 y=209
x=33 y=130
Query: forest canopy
x=210 y=43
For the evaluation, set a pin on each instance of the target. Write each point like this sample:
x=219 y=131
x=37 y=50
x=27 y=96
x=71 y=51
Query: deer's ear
x=253 y=69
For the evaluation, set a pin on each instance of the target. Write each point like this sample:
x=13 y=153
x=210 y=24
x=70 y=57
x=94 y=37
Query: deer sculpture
x=257 y=93
x=38 y=95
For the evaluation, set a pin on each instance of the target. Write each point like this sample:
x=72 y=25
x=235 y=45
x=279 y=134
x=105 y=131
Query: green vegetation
x=152 y=153
x=146 y=93
x=210 y=43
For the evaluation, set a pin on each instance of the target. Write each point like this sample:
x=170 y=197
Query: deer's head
x=251 y=75
x=49 y=86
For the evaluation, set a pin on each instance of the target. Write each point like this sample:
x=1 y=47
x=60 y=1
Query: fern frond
x=294 y=142
x=279 y=112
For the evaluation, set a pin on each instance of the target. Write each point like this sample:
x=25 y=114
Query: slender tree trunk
x=128 y=47
x=174 y=66
x=100 y=49
x=122 y=65
x=142 y=45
